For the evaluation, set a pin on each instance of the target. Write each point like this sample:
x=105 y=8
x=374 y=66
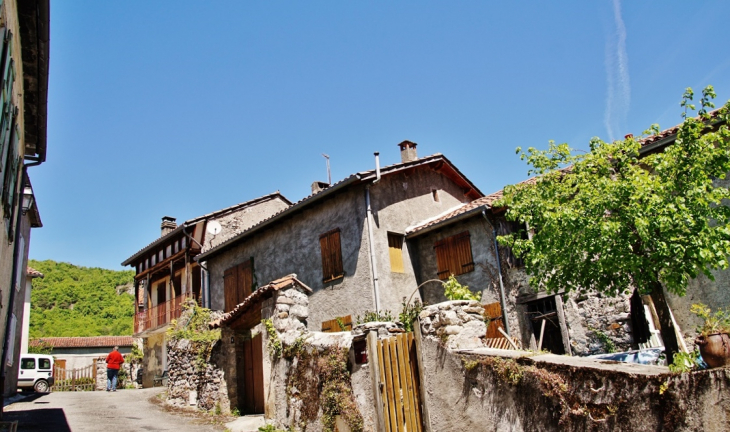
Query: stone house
x=166 y=273
x=24 y=56
x=462 y=242
x=346 y=242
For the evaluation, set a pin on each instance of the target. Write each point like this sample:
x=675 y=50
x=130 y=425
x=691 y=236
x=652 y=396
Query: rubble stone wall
x=131 y=370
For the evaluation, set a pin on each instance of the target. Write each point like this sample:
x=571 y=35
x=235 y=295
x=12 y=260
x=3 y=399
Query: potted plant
x=714 y=341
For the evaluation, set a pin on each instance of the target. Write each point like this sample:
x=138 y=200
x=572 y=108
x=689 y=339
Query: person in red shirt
x=113 y=362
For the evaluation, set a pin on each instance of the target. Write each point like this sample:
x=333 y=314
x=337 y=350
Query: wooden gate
x=398 y=383
x=81 y=379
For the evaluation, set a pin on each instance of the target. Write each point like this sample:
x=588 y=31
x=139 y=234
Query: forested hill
x=80 y=301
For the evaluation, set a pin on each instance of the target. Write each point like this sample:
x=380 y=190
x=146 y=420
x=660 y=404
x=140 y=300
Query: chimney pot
x=168 y=225
x=319 y=186
x=408 y=151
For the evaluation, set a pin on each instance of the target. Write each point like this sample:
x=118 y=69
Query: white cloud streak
x=618 y=97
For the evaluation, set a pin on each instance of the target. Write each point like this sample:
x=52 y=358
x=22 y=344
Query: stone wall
x=458 y=323
x=489 y=390
x=130 y=369
x=193 y=383
x=294 y=379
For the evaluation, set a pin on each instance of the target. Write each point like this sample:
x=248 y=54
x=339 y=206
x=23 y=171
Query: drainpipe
x=369 y=213
x=205 y=281
x=499 y=270
x=13 y=280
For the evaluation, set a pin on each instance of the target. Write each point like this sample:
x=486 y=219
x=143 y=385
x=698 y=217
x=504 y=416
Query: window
x=453 y=256
x=338 y=324
x=395 y=248
x=27 y=363
x=44 y=363
x=329 y=244
x=238 y=284
x=435 y=195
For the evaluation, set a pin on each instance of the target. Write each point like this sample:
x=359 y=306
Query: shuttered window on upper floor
x=453 y=255
x=395 y=249
x=329 y=244
x=238 y=283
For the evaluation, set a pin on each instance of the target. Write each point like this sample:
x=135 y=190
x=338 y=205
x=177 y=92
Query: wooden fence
x=81 y=379
x=399 y=384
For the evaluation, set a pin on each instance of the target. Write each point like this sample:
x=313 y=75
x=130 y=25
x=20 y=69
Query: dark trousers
x=111 y=379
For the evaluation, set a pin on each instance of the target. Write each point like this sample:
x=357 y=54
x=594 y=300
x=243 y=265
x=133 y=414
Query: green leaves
x=79 y=301
x=613 y=218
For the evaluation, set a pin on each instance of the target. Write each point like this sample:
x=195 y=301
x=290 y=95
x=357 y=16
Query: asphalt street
x=120 y=411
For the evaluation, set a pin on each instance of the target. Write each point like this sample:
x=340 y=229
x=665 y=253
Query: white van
x=36 y=372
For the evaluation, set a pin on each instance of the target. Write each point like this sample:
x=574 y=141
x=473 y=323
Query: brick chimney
x=168 y=224
x=408 y=151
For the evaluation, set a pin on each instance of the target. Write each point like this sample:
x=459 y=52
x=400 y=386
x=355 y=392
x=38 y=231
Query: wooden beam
x=563 y=325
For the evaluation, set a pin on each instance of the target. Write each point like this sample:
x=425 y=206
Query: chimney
x=319 y=186
x=168 y=224
x=408 y=151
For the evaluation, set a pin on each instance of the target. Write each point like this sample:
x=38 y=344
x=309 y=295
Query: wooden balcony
x=160 y=315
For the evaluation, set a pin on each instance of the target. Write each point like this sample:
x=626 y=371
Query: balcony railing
x=159 y=315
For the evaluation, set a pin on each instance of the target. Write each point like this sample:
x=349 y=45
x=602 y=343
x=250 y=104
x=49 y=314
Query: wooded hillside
x=79 y=301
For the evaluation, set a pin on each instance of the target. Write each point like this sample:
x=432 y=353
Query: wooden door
x=253 y=377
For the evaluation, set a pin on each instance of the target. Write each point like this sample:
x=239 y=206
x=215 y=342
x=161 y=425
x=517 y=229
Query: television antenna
x=329 y=175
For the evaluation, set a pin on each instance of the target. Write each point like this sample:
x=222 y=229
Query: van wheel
x=41 y=386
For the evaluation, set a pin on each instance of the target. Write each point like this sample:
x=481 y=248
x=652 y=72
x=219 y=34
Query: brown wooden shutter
x=245 y=280
x=330 y=247
x=493 y=313
x=230 y=282
x=462 y=247
x=333 y=326
x=442 y=259
x=453 y=256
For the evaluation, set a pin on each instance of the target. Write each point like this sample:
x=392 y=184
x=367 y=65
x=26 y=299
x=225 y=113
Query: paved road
x=121 y=411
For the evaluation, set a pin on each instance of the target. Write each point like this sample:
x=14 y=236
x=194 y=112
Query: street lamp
x=28 y=199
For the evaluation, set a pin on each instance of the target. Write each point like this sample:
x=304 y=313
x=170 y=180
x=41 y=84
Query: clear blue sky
x=184 y=107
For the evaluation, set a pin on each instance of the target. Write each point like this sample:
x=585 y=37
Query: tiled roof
x=194 y=221
x=462 y=210
x=354 y=178
x=455 y=212
x=84 y=342
x=33 y=273
x=241 y=308
x=646 y=141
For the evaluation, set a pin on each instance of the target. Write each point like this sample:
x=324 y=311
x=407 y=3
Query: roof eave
x=296 y=207
x=438 y=225
x=154 y=244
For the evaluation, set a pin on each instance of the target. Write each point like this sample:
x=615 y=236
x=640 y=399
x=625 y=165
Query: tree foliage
x=79 y=301
x=613 y=218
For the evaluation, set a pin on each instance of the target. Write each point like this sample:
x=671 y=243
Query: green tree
x=614 y=218
x=80 y=301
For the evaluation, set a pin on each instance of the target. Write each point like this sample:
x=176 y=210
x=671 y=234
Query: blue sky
x=184 y=107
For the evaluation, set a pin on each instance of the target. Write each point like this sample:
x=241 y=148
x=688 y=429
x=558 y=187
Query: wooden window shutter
x=338 y=324
x=230 y=281
x=245 y=280
x=453 y=256
x=395 y=249
x=331 y=249
x=442 y=259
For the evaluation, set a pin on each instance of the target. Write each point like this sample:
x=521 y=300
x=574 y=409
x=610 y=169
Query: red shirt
x=114 y=360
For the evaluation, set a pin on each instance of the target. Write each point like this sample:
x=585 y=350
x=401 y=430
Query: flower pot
x=715 y=349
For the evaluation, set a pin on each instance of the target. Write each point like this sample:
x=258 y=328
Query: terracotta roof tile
x=279 y=284
x=85 y=342
x=33 y=273
x=671 y=131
